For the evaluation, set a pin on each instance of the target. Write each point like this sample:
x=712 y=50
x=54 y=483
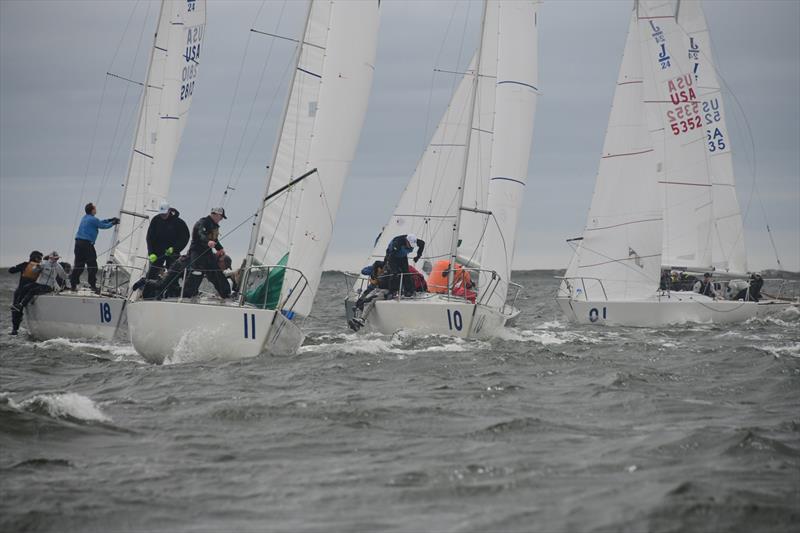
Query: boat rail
x=569 y=288
x=358 y=283
x=116 y=278
x=574 y=288
x=287 y=303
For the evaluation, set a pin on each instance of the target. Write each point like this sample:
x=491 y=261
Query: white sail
x=679 y=138
x=728 y=251
x=167 y=96
x=429 y=205
x=622 y=240
x=515 y=106
x=321 y=130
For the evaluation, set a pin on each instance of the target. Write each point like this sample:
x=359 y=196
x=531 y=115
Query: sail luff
x=515 y=107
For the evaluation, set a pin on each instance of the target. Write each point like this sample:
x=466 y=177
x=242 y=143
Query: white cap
x=412 y=239
x=163 y=209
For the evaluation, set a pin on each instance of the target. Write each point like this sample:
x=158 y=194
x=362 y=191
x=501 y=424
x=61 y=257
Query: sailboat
x=664 y=199
x=320 y=130
x=163 y=110
x=464 y=197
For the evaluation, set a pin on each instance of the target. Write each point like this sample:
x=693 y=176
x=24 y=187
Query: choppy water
x=552 y=428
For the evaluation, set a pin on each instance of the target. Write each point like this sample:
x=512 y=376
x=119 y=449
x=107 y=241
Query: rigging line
x=454 y=83
x=113 y=153
x=264 y=118
x=97 y=118
x=639 y=272
x=250 y=112
x=230 y=113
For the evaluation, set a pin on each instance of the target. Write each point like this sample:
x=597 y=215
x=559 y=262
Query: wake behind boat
x=100 y=312
x=321 y=126
x=665 y=203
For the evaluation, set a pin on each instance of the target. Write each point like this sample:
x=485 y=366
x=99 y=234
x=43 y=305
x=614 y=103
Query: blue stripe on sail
x=509 y=179
x=171 y=118
x=245 y=326
x=253 y=324
x=309 y=72
x=159 y=48
x=142 y=153
x=518 y=83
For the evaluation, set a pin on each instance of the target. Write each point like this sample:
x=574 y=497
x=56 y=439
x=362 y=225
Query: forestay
x=622 y=240
x=167 y=96
x=321 y=128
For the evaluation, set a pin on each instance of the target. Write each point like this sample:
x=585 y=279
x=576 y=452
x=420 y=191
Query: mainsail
x=727 y=234
x=622 y=240
x=167 y=96
x=322 y=124
x=679 y=138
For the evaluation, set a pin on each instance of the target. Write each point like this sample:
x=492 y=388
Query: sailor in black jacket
x=27 y=276
x=203 y=254
x=167 y=236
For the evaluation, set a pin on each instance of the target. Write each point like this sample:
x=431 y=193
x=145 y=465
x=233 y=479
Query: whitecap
x=70 y=404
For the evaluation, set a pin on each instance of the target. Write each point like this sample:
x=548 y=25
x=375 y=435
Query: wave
x=68 y=406
x=119 y=352
x=401 y=343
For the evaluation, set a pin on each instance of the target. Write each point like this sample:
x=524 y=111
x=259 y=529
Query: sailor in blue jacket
x=85 y=254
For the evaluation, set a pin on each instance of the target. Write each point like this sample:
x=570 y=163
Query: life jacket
x=29 y=273
x=437 y=280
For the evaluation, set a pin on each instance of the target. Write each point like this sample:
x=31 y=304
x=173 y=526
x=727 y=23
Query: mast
x=143 y=99
x=260 y=215
x=460 y=201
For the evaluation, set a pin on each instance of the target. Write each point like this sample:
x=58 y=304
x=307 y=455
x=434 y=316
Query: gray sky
x=54 y=56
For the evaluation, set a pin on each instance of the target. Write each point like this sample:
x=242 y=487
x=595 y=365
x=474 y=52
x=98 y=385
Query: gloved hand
x=153 y=258
x=115 y=221
x=417 y=258
x=169 y=251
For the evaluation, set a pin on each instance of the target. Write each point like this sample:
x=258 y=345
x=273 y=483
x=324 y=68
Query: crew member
x=167 y=236
x=204 y=253
x=27 y=277
x=49 y=271
x=85 y=254
x=397 y=261
x=705 y=287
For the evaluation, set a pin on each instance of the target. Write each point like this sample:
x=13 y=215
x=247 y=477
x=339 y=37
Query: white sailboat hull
x=434 y=315
x=82 y=315
x=161 y=330
x=678 y=308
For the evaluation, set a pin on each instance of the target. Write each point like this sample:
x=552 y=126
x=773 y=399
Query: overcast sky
x=54 y=57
